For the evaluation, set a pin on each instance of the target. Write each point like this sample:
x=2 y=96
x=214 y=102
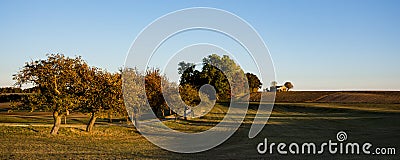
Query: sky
x=317 y=45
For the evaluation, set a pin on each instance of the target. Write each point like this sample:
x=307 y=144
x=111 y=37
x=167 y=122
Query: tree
x=254 y=82
x=117 y=105
x=288 y=85
x=103 y=95
x=184 y=66
x=60 y=81
x=153 y=82
x=188 y=74
x=216 y=71
x=215 y=77
x=134 y=97
x=190 y=96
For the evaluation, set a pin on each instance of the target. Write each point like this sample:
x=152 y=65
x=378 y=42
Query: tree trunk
x=134 y=116
x=57 y=122
x=184 y=113
x=127 y=119
x=65 y=116
x=109 y=118
x=89 y=127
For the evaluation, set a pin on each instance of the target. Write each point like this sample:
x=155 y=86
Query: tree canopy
x=254 y=82
x=103 y=95
x=288 y=85
x=65 y=84
x=60 y=80
x=216 y=71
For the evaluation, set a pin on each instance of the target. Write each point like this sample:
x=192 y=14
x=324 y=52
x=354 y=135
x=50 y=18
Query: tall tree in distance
x=189 y=75
x=215 y=77
x=216 y=71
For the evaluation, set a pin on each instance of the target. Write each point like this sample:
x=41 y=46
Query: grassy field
x=25 y=135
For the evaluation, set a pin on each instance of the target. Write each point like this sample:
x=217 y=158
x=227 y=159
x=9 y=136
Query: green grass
x=110 y=141
x=289 y=122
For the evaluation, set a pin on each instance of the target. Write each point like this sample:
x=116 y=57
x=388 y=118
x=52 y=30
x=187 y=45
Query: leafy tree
x=254 y=82
x=288 y=85
x=29 y=102
x=153 y=82
x=190 y=76
x=189 y=95
x=216 y=71
x=222 y=69
x=103 y=95
x=117 y=101
x=60 y=80
x=215 y=77
x=184 y=66
x=134 y=98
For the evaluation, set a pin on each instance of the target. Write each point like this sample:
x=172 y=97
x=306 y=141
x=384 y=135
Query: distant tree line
x=11 y=90
x=12 y=94
x=10 y=97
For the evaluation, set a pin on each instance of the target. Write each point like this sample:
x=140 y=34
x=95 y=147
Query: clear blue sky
x=318 y=45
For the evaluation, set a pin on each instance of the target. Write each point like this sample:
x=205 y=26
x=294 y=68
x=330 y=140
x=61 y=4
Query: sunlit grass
x=288 y=122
